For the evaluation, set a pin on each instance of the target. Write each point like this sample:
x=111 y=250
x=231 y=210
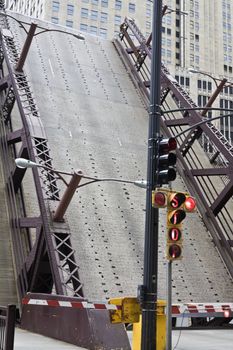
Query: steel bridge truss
x=208 y=176
x=44 y=257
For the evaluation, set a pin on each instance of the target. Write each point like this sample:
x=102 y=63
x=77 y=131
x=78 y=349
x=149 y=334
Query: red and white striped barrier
x=179 y=310
x=73 y=304
x=203 y=310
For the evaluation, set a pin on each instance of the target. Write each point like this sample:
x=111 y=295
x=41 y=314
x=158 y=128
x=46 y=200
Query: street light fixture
x=216 y=80
x=165 y=11
x=73 y=185
x=30 y=35
x=220 y=83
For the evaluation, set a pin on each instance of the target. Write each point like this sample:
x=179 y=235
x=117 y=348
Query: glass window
x=169 y=31
x=131 y=7
x=148 y=25
x=84 y=13
x=117 y=20
x=118 y=4
x=94 y=15
x=103 y=17
x=103 y=32
x=83 y=27
x=148 y=12
x=70 y=9
x=104 y=3
x=93 y=30
x=69 y=23
x=95 y=2
x=55 y=6
x=209 y=86
x=54 y=20
x=86 y=1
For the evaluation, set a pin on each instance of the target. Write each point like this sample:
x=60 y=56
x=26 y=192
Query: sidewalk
x=25 y=340
x=203 y=339
x=188 y=340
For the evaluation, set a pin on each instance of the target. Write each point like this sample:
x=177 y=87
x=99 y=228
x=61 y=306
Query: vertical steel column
x=149 y=300
x=10 y=327
x=67 y=196
x=26 y=47
x=214 y=96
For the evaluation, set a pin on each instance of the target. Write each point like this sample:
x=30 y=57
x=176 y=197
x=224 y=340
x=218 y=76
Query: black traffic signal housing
x=166 y=161
x=178 y=204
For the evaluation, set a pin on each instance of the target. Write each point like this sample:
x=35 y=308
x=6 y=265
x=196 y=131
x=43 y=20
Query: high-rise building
x=98 y=17
x=196 y=34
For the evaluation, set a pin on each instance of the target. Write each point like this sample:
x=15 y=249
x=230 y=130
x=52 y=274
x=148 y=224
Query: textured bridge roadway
x=95 y=120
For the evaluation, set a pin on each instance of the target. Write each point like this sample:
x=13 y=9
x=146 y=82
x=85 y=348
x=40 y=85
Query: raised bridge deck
x=95 y=120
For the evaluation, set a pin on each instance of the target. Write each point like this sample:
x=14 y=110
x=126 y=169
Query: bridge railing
x=7 y=327
x=208 y=178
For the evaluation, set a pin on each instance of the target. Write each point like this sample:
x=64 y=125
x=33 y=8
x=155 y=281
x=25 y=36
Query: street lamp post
x=220 y=83
x=165 y=11
x=30 y=35
x=73 y=185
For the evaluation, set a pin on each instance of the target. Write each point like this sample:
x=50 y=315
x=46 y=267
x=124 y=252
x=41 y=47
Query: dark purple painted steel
x=88 y=328
x=200 y=180
x=7 y=327
x=51 y=261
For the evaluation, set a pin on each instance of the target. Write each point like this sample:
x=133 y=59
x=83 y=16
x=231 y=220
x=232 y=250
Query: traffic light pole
x=169 y=307
x=149 y=295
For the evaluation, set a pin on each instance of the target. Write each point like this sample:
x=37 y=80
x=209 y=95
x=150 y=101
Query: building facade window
x=104 y=3
x=55 y=6
x=103 y=17
x=132 y=7
x=70 y=9
x=103 y=32
x=54 y=20
x=95 y=2
x=83 y=27
x=94 y=15
x=118 y=4
x=69 y=23
x=93 y=30
x=84 y=12
x=117 y=20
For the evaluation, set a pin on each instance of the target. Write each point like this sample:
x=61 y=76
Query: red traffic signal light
x=190 y=204
x=174 y=234
x=175 y=216
x=166 y=161
x=159 y=198
x=178 y=204
x=174 y=252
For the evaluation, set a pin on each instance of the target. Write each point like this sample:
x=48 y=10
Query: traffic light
x=159 y=198
x=178 y=204
x=166 y=161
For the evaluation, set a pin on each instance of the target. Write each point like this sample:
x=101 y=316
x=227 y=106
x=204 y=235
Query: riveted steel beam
x=49 y=263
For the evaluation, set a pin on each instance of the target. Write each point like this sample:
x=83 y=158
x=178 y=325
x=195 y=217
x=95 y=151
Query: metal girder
x=50 y=261
x=222 y=199
x=215 y=202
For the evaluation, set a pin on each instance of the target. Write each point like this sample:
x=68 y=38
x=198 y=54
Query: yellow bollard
x=161 y=328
